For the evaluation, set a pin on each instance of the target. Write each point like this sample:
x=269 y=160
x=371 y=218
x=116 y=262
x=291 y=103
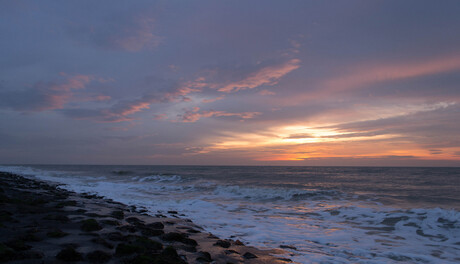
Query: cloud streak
x=193 y=115
x=269 y=75
x=44 y=96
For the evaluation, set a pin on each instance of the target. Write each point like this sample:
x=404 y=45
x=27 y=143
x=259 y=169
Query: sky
x=307 y=83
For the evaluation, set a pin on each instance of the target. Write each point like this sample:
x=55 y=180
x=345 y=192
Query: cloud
x=138 y=37
x=369 y=74
x=122 y=110
x=44 y=96
x=266 y=92
x=193 y=115
x=269 y=75
x=212 y=100
x=132 y=33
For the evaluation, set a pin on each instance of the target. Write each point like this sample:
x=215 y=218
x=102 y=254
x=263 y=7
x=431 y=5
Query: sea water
x=317 y=214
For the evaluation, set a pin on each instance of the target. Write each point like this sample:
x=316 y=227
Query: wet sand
x=42 y=223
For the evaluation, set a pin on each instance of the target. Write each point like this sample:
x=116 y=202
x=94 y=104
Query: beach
x=42 y=223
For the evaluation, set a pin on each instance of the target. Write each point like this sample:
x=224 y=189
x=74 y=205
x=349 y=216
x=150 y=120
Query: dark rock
x=144 y=259
x=204 y=257
x=90 y=225
x=391 y=221
x=156 y=225
x=151 y=232
x=117 y=236
x=102 y=242
x=18 y=245
x=69 y=254
x=285 y=259
x=231 y=251
x=128 y=249
x=172 y=212
x=95 y=215
x=56 y=233
x=133 y=220
x=222 y=243
x=118 y=214
x=169 y=255
x=6 y=253
x=57 y=217
x=179 y=237
x=111 y=222
x=66 y=203
x=169 y=223
x=238 y=243
x=148 y=243
x=127 y=228
x=98 y=256
x=287 y=246
x=79 y=211
x=249 y=255
x=193 y=231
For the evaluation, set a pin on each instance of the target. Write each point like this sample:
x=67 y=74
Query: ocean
x=317 y=214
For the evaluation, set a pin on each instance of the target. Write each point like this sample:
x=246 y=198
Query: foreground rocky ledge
x=42 y=223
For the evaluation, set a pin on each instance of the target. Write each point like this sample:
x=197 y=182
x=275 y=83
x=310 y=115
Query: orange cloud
x=269 y=75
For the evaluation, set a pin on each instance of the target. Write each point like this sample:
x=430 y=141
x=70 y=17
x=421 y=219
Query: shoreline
x=42 y=223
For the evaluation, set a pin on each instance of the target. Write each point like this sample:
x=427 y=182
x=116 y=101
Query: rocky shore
x=42 y=223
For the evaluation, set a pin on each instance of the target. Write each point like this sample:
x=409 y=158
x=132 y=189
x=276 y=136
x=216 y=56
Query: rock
x=151 y=232
x=238 y=243
x=231 y=251
x=179 y=237
x=391 y=221
x=66 y=203
x=249 y=255
x=18 y=245
x=56 y=233
x=133 y=220
x=69 y=254
x=98 y=256
x=118 y=214
x=287 y=246
x=169 y=255
x=204 y=257
x=172 y=212
x=90 y=225
x=116 y=236
x=193 y=231
x=127 y=228
x=102 y=242
x=111 y=222
x=156 y=225
x=127 y=249
x=222 y=243
x=57 y=217
x=148 y=243
x=6 y=253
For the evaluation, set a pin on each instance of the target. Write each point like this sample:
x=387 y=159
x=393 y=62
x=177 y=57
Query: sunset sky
x=230 y=82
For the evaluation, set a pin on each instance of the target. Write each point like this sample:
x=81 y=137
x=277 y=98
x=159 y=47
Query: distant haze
x=372 y=83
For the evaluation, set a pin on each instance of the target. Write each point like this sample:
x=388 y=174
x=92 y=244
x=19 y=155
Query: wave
x=325 y=226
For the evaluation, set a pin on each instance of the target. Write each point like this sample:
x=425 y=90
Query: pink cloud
x=269 y=75
x=194 y=115
x=160 y=117
x=362 y=76
x=213 y=99
x=138 y=37
x=266 y=92
x=55 y=96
